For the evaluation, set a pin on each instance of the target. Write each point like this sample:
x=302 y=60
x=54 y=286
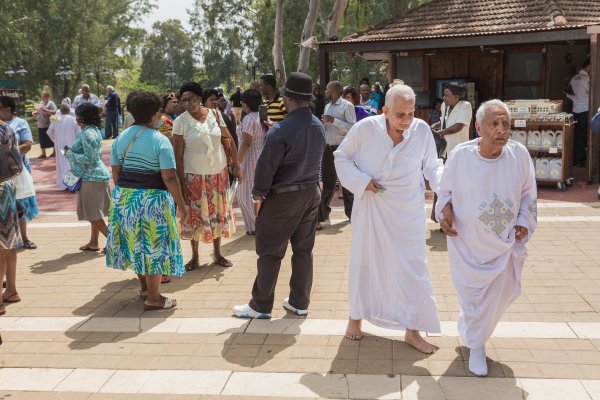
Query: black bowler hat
x=298 y=86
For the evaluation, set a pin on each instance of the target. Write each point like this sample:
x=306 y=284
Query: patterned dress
x=10 y=236
x=252 y=126
x=142 y=230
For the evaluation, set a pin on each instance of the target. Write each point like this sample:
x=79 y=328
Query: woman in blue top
x=27 y=207
x=93 y=199
x=142 y=231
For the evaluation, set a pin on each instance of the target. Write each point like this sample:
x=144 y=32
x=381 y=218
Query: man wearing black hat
x=287 y=199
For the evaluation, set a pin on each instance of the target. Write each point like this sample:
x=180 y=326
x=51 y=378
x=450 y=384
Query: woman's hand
x=237 y=172
x=184 y=213
x=186 y=194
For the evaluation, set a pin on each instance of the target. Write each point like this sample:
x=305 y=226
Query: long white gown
x=63 y=133
x=489 y=198
x=390 y=285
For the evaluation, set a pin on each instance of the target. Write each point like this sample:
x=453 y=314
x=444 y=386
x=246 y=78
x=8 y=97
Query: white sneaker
x=297 y=311
x=245 y=311
x=478 y=362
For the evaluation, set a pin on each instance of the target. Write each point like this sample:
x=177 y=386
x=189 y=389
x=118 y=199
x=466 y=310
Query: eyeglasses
x=191 y=99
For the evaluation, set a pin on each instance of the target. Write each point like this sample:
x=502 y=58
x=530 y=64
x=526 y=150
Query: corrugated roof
x=456 y=18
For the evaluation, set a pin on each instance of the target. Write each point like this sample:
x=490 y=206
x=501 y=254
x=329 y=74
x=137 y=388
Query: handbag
x=11 y=161
x=440 y=143
x=24 y=187
x=72 y=182
x=225 y=141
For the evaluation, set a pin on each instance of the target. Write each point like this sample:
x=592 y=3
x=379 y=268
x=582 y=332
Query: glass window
x=524 y=67
x=410 y=70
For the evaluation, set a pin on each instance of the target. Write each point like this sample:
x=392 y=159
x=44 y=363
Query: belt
x=293 y=188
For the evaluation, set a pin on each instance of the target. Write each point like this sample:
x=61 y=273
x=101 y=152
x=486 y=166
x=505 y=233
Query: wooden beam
x=323 y=68
x=561 y=35
x=594 y=140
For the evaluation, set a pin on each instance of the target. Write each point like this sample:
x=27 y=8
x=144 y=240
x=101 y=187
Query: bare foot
x=353 y=331
x=414 y=339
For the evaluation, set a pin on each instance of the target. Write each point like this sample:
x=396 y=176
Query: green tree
x=169 y=46
x=84 y=32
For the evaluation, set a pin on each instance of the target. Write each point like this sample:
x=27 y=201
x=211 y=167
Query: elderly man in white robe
x=383 y=160
x=488 y=208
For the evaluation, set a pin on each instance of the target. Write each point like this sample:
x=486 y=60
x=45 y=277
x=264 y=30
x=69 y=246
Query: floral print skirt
x=142 y=233
x=211 y=217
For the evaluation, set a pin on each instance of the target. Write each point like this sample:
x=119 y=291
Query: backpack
x=11 y=161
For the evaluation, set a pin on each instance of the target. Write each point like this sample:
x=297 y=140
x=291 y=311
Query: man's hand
x=373 y=186
x=257 y=207
x=327 y=119
x=447 y=220
x=521 y=232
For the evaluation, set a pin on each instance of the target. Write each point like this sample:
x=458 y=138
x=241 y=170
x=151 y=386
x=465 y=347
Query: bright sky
x=168 y=9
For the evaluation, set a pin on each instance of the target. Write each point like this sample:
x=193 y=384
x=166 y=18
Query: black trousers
x=580 y=138
x=329 y=177
x=285 y=217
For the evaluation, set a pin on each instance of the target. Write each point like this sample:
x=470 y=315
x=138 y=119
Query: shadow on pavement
x=65 y=261
x=284 y=330
x=437 y=240
x=408 y=373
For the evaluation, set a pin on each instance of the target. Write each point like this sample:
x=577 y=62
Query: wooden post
x=594 y=140
x=323 y=69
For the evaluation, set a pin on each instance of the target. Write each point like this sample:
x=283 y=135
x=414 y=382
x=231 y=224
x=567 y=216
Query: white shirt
x=91 y=99
x=581 y=87
x=461 y=114
x=203 y=152
x=344 y=117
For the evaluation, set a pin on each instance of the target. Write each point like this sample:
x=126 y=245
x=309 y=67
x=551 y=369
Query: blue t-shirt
x=22 y=133
x=151 y=152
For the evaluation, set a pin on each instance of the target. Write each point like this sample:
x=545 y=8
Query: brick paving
x=561 y=283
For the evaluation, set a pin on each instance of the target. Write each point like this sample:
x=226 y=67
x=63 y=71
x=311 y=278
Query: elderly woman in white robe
x=488 y=207
x=63 y=131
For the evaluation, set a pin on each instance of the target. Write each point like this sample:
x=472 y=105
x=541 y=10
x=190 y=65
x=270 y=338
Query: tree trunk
x=333 y=21
x=307 y=32
x=278 y=44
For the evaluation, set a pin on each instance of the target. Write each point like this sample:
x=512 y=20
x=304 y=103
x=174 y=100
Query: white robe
x=63 y=133
x=489 y=198
x=390 y=285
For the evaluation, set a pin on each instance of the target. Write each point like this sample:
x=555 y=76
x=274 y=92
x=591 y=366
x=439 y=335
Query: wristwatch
x=256 y=199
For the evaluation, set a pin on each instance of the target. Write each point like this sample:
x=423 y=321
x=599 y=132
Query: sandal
x=103 y=252
x=165 y=279
x=15 y=298
x=191 y=265
x=250 y=233
x=168 y=303
x=223 y=262
x=87 y=247
x=29 y=245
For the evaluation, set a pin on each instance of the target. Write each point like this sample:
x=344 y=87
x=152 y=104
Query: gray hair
x=489 y=104
x=110 y=87
x=399 y=90
x=85 y=86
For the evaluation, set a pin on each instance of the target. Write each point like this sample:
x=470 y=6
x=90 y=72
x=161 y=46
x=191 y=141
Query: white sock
x=478 y=362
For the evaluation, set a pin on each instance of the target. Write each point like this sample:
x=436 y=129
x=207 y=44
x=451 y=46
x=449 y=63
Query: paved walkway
x=81 y=331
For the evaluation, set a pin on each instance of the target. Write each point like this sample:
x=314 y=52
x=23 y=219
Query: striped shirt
x=275 y=109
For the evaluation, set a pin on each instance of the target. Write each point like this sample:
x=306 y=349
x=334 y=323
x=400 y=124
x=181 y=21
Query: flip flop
x=166 y=305
x=165 y=279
